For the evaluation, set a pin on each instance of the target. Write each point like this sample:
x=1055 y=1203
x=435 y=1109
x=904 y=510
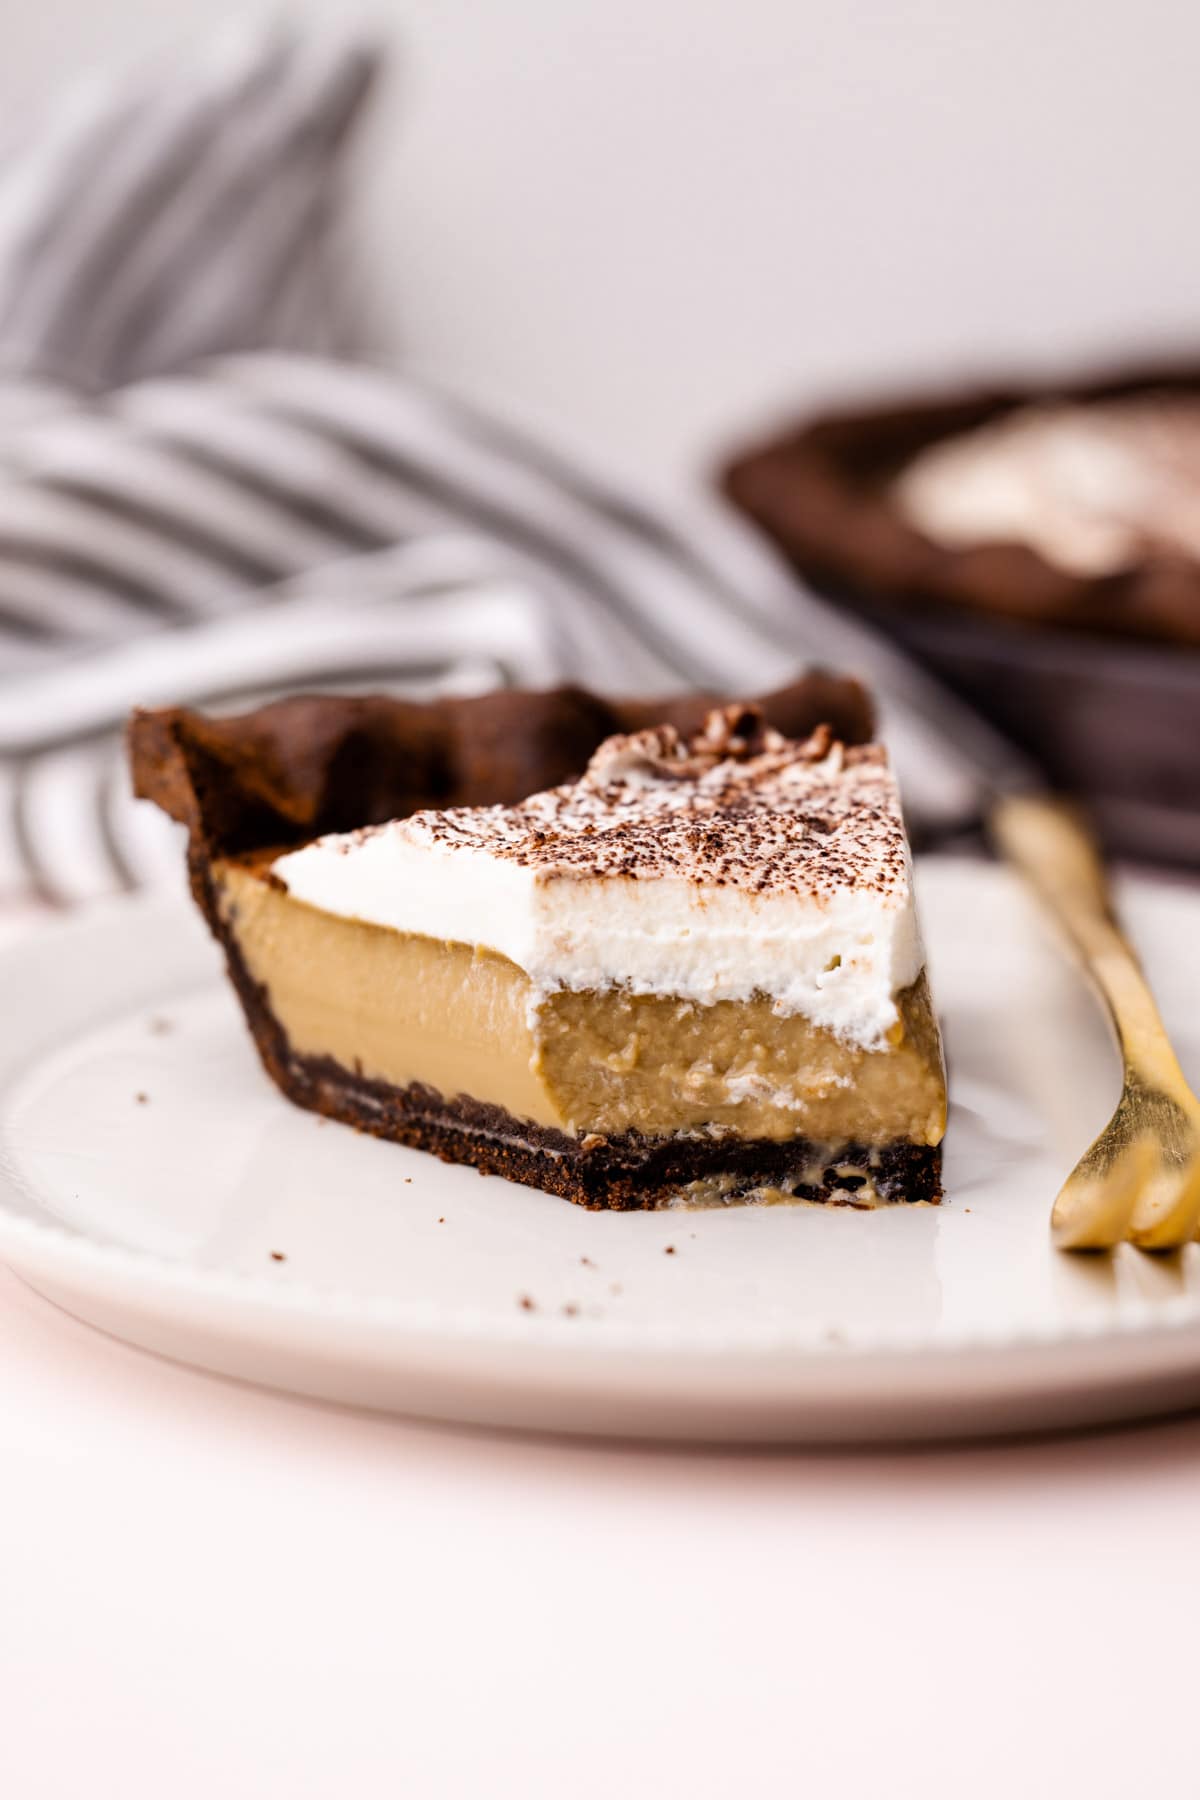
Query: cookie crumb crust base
x=622 y=1174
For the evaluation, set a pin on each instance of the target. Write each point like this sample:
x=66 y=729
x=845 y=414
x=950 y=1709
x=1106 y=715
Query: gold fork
x=1140 y=1180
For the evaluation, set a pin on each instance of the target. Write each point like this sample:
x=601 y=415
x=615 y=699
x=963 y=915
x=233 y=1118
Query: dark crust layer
x=619 y=1174
x=821 y=491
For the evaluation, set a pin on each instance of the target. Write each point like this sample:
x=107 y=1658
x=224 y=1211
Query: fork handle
x=1047 y=841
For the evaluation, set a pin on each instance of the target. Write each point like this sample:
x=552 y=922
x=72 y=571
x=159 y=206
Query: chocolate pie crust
x=823 y=492
x=263 y=781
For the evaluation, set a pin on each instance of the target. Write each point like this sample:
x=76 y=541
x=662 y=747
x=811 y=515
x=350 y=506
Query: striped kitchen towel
x=199 y=503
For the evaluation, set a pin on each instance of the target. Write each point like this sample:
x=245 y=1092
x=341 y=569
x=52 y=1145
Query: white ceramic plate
x=402 y=1279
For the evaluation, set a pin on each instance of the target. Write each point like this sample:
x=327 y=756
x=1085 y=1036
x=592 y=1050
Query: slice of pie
x=692 y=972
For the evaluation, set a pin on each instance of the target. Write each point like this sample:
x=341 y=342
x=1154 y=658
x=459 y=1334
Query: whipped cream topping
x=732 y=864
x=1093 y=487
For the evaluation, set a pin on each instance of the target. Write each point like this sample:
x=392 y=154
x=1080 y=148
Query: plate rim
x=40 y=1239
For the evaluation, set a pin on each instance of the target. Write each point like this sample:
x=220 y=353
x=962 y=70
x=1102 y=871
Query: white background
x=653 y=223
x=646 y=224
